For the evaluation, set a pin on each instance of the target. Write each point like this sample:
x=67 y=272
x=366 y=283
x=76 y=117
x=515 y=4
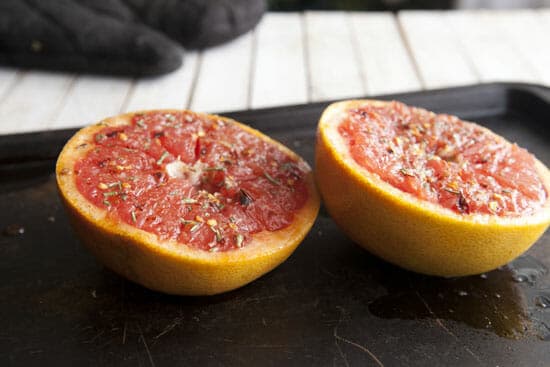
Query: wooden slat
x=8 y=76
x=91 y=99
x=168 y=91
x=223 y=80
x=534 y=43
x=33 y=102
x=332 y=60
x=279 y=74
x=490 y=51
x=527 y=31
x=385 y=62
x=439 y=60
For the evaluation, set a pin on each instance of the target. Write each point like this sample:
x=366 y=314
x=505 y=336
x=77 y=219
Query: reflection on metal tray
x=331 y=303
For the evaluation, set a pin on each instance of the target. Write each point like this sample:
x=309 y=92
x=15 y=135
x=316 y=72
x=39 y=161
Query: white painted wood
x=385 y=63
x=279 y=74
x=8 y=76
x=527 y=31
x=490 y=51
x=439 y=59
x=500 y=4
x=544 y=13
x=91 y=99
x=332 y=59
x=33 y=101
x=534 y=45
x=167 y=91
x=223 y=79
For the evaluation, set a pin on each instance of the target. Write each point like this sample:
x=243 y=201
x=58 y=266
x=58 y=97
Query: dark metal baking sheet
x=331 y=303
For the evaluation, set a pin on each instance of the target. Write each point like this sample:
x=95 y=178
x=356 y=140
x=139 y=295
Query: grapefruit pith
x=427 y=192
x=185 y=203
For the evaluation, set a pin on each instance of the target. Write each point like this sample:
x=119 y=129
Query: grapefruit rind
x=415 y=234
x=169 y=266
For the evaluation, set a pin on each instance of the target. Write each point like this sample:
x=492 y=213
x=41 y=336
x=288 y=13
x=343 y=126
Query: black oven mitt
x=197 y=24
x=124 y=37
x=64 y=35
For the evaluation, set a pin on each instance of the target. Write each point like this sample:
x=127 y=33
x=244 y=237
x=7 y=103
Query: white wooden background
x=293 y=58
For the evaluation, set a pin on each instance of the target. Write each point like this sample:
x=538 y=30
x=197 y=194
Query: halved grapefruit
x=185 y=203
x=428 y=192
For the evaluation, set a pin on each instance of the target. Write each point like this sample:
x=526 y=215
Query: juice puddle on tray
x=512 y=302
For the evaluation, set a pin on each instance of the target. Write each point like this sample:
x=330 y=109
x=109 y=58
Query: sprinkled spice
x=406 y=172
x=271 y=179
x=99 y=137
x=195 y=227
x=239 y=240
x=217 y=168
x=115 y=184
x=443 y=155
x=215 y=198
x=462 y=204
x=451 y=190
x=162 y=157
x=217 y=233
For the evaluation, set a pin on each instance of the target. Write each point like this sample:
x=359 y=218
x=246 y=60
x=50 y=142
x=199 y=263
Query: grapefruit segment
x=427 y=192
x=185 y=203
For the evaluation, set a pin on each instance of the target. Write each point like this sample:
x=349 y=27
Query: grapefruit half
x=430 y=193
x=185 y=203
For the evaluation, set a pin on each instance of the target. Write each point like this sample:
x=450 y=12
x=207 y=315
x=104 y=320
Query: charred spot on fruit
x=462 y=204
x=226 y=161
x=113 y=133
x=244 y=198
x=158 y=175
x=64 y=171
x=483 y=159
